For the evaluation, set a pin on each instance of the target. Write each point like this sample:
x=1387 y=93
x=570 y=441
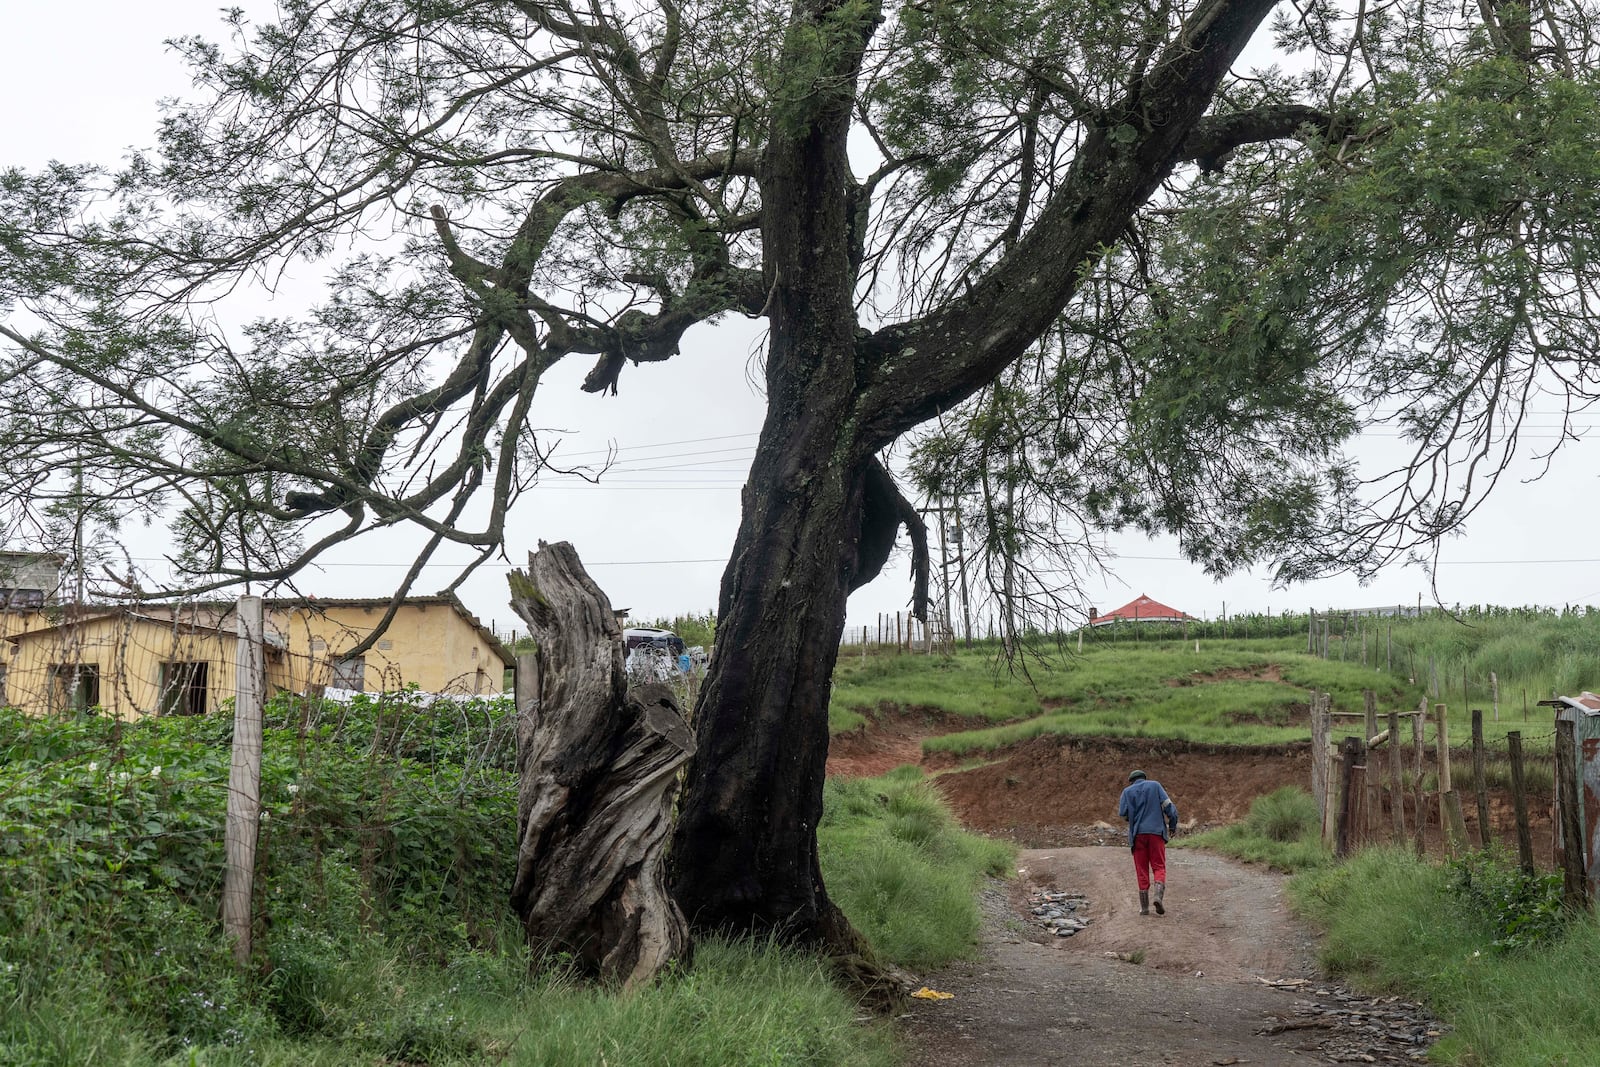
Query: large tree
x=1203 y=280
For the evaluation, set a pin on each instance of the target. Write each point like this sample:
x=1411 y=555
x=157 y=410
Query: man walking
x=1151 y=816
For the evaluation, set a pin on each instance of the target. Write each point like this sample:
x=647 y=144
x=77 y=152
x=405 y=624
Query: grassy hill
x=1235 y=690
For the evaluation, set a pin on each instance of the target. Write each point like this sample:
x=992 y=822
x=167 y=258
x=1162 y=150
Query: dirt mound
x=1055 y=791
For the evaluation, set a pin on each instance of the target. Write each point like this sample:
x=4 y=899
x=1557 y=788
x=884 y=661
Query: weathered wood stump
x=597 y=768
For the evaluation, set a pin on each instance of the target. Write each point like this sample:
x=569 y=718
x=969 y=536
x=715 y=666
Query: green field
x=1235 y=690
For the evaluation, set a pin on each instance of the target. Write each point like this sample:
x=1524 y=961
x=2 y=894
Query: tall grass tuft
x=1282 y=831
x=899 y=865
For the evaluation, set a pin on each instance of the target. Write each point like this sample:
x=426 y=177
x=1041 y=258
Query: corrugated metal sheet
x=1583 y=711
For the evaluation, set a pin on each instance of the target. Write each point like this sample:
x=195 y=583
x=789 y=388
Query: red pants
x=1149 y=858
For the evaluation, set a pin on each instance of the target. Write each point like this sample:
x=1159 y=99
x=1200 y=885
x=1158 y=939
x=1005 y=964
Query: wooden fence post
x=1319 y=754
x=1418 y=721
x=244 y=779
x=1397 y=792
x=1519 y=803
x=1480 y=787
x=1451 y=823
x=1569 y=820
x=1369 y=701
x=1332 y=809
x=1352 y=754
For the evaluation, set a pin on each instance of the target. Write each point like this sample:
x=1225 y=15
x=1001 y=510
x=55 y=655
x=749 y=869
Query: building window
x=184 y=688
x=385 y=644
x=350 y=673
x=3 y=702
x=74 y=686
x=21 y=599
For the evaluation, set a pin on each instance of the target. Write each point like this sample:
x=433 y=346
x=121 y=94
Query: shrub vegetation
x=383 y=933
x=1488 y=949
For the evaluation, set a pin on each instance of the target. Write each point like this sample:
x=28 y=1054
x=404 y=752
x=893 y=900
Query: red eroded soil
x=1055 y=791
x=891 y=738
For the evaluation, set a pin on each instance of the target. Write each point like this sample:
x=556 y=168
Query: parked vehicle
x=653 y=637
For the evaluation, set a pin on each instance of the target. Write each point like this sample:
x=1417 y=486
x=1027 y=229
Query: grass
x=899 y=865
x=1394 y=924
x=1282 y=831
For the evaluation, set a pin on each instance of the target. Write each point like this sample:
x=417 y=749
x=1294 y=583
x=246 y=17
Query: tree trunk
x=597 y=771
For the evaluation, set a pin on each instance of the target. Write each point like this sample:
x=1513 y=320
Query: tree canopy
x=1395 y=220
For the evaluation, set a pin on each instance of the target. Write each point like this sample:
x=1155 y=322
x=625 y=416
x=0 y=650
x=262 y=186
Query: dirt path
x=1197 y=997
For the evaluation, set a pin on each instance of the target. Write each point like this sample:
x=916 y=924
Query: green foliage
x=383 y=932
x=1395 y=924
x=1523 y=909
x=902 y=869
x=1283 y=831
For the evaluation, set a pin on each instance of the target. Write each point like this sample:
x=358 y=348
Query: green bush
x=1395 y=924
x=1522 y=909
x=383 y=932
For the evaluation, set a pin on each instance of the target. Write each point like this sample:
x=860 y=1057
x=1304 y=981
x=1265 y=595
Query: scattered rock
x=1359 y=1029
x=1058 y=912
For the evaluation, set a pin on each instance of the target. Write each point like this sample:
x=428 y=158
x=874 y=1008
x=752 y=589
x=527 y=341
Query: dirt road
x=1197 y=996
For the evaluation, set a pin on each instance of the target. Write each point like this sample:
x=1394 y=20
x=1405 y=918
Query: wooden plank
x=1441 y=717
x=1352 y=759
x=1369 y=701
x=1397 y=793
x=1569 y=820
x=1519 y=803
x=1416 y=781
x=1480 y=787
x=1319 y=747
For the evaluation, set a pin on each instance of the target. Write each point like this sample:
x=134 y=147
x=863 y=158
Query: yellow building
x=180 y=659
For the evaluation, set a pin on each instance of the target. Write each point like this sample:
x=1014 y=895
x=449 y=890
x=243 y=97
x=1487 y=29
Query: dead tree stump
x=597 y=769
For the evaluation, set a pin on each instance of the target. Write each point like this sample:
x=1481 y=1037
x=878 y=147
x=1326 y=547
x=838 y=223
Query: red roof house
x=1141 y=609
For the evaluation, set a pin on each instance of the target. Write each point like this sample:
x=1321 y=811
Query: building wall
x=128 y=660
x=31 y=570
x=429 y=644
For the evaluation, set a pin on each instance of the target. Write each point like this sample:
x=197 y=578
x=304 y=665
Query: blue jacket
x=1148 y=810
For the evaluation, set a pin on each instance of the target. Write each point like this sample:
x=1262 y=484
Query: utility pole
x=961 y=571
x=1010 y=637
x=944 y=559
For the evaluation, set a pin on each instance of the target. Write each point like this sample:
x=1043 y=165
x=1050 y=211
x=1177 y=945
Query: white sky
x=80 y=80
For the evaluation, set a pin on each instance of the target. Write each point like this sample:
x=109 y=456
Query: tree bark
x=597 y=769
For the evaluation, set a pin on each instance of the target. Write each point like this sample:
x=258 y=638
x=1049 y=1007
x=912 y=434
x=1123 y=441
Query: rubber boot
x=1144 y=902
x=1161 y=887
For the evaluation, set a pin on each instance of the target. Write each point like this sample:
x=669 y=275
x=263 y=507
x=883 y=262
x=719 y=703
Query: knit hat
x=1134 y=776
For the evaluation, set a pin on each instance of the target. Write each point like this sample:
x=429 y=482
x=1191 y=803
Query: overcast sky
x=80 y=80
